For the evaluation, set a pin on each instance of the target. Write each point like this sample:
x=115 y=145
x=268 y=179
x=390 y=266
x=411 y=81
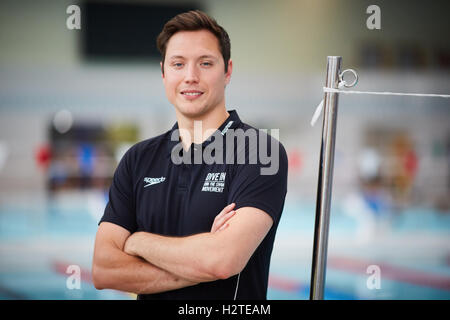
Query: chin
x=192 y=111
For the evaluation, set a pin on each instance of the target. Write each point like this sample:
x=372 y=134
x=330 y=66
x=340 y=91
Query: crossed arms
x=146 y=263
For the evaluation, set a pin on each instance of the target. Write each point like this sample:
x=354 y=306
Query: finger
x=223 y=227
x=225 y=217
x=228 y=208
x=225 y=210
x=220 y=222
x=217 y=220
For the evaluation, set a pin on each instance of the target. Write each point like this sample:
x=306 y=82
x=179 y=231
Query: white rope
x=385 y=93
x=237 y=286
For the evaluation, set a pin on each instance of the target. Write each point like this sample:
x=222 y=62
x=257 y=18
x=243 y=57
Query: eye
x=177 y=64
x=206 y=64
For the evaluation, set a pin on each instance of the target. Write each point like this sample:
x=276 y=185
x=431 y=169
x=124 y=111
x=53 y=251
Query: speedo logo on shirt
x=214 y=182
x=152 y=181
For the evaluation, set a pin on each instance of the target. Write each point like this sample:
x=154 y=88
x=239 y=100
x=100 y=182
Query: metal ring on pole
x=341 y=78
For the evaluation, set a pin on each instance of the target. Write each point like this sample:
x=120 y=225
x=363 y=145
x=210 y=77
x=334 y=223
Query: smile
x=191 y=94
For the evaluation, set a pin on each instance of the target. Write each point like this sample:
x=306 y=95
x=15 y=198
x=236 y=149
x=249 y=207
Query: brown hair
x=192 y=21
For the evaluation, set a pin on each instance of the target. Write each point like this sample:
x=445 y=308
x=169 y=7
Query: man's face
x=194 y=73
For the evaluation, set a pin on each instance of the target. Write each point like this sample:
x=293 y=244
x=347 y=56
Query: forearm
x=115 y=269
x=198 y=258
x=191 y=258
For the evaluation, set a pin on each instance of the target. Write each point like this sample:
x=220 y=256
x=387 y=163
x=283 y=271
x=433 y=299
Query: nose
x=192 y=74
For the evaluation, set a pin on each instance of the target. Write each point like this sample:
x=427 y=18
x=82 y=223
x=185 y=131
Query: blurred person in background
x=370 y=204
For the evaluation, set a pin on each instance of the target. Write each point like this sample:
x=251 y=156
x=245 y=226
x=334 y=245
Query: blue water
x=41 y=233
x=298 y=218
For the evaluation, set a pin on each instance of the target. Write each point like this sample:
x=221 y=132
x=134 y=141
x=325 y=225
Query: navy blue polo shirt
x=151 y=192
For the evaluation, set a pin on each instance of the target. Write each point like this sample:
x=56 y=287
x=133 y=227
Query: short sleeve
x=252 y=186
x=120 y=208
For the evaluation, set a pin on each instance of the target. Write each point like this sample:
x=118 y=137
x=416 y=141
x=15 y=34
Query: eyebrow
x=205 y=56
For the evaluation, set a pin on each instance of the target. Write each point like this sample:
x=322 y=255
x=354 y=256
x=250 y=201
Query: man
x=187 y=229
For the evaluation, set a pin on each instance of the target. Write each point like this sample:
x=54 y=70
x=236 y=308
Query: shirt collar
x=231 y=122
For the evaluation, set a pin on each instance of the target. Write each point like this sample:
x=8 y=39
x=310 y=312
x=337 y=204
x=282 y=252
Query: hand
x=129 y=246
x=220 y=221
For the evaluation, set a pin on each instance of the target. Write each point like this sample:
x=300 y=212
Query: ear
x=229 y=72
x=162 y=69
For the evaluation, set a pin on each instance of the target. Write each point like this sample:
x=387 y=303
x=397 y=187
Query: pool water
x=411 y=251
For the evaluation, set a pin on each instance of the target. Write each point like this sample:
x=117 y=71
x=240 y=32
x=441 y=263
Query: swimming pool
x=39 y=240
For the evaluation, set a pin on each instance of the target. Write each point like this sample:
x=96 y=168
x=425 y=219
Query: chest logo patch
x=152 y=181
x=214 y=182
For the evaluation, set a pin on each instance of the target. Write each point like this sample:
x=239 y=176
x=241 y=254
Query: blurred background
x=72 y=101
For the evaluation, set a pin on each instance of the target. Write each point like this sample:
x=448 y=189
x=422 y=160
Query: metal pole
x=330 y=103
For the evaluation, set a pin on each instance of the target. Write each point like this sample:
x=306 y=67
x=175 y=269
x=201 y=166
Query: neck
x=199 y=128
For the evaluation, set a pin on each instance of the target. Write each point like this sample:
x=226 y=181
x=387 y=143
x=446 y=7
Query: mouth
x=191 y=94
